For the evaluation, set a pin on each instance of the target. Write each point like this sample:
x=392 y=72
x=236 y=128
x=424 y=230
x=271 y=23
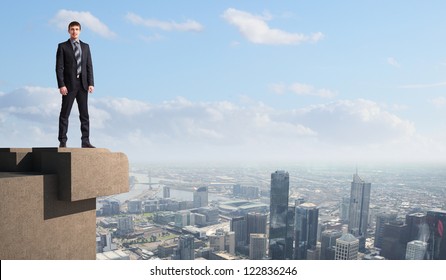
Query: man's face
x=74 y=31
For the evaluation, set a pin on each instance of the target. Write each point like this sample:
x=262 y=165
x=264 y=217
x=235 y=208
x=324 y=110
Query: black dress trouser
x=81 y=96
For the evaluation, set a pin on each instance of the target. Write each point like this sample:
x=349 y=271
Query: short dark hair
x=74 y=23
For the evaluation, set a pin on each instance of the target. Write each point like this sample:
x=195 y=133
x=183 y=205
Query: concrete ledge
x=15 y=160
x=82 y=173
x=36 y=225
x=48 y=200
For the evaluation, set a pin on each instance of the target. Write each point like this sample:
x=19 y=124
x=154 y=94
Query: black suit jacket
x=66 y=67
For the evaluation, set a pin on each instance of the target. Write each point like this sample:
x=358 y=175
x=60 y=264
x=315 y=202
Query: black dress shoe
x=62 y=145
x=87 y=145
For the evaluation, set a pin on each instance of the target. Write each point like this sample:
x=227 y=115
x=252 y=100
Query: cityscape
x=261 y=212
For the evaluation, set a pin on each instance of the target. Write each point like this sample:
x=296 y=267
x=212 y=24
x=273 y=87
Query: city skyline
x=231 y=81
x=314 y=229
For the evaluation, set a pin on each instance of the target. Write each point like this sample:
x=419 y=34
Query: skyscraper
x=278 y=242
x=166 y=192
x=230 y=242
x=201 y=197
x=343 y=209
x=186 y=247
x=394 y=241
x=257 y=246
x=217 y=241
x=256 y=223
x=347 y=247
x=417 y=227
x=436 y=220
x=359 y=210
x=289 y=253
x=238 y=226
x=381 y=220
x=305 y=229
x=125 y=225
x=328 y=243
x=135 y=206
x=416 y=250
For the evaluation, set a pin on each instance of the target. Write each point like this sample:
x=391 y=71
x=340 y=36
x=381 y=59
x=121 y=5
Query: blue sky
x=235 y=80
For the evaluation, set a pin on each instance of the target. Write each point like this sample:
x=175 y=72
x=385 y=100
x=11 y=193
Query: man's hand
x=90 y=89
x=63 y=90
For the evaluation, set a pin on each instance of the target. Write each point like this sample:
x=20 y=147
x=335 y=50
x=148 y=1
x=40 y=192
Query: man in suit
x=74 y=72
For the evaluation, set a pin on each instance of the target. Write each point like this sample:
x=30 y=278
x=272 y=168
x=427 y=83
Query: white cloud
x=302 y=90
x=393 y=62
x=86 y=19
x=35 y=103
x=355 y=123
x=256 y=30
x=278 y=88
x=439 y=102
x=421 y=86
x=152 y=38
x=181 y=129
x=188 y=25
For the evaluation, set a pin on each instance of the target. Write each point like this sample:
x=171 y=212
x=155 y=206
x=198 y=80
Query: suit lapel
x=70 y=47
x=83 y=54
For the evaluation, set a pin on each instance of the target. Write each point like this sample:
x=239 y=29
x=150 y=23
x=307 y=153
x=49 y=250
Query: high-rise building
x=166 y=250
x=238 y=226
x=305 y=229
x=343 y=209
x=436 y=220
x=186 y=247
x=217 y=241
x=135 y=206
x=289 y=253
x=279 y=243
x=183 y=218
x=150 y=206
x=394 y=241
x=166 y=192
x=347 y=247
x=201 y=197
x=416 y=250
x=104 y=242
x=125 y=225
x=256 y=223
x=247 y=192
x=417 y=227
x=359 y=210
x=328 y=243
x=110 y=208
x=230 y=242
x=381 y=220
x=257 y=246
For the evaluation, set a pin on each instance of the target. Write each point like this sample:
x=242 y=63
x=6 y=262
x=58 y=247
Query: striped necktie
x=77 y=55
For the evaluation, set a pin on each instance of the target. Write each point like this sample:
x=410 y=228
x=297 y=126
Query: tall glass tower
x=381 y=220
x=186 y=247
x=279 y=244
x=255 y=223
x=359 y=210
x=305 y=228
x=328 y=243
x=436 y=220
x=238 y=226
x=201 y=197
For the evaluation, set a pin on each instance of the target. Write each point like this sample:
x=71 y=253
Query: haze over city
x=227 y=81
